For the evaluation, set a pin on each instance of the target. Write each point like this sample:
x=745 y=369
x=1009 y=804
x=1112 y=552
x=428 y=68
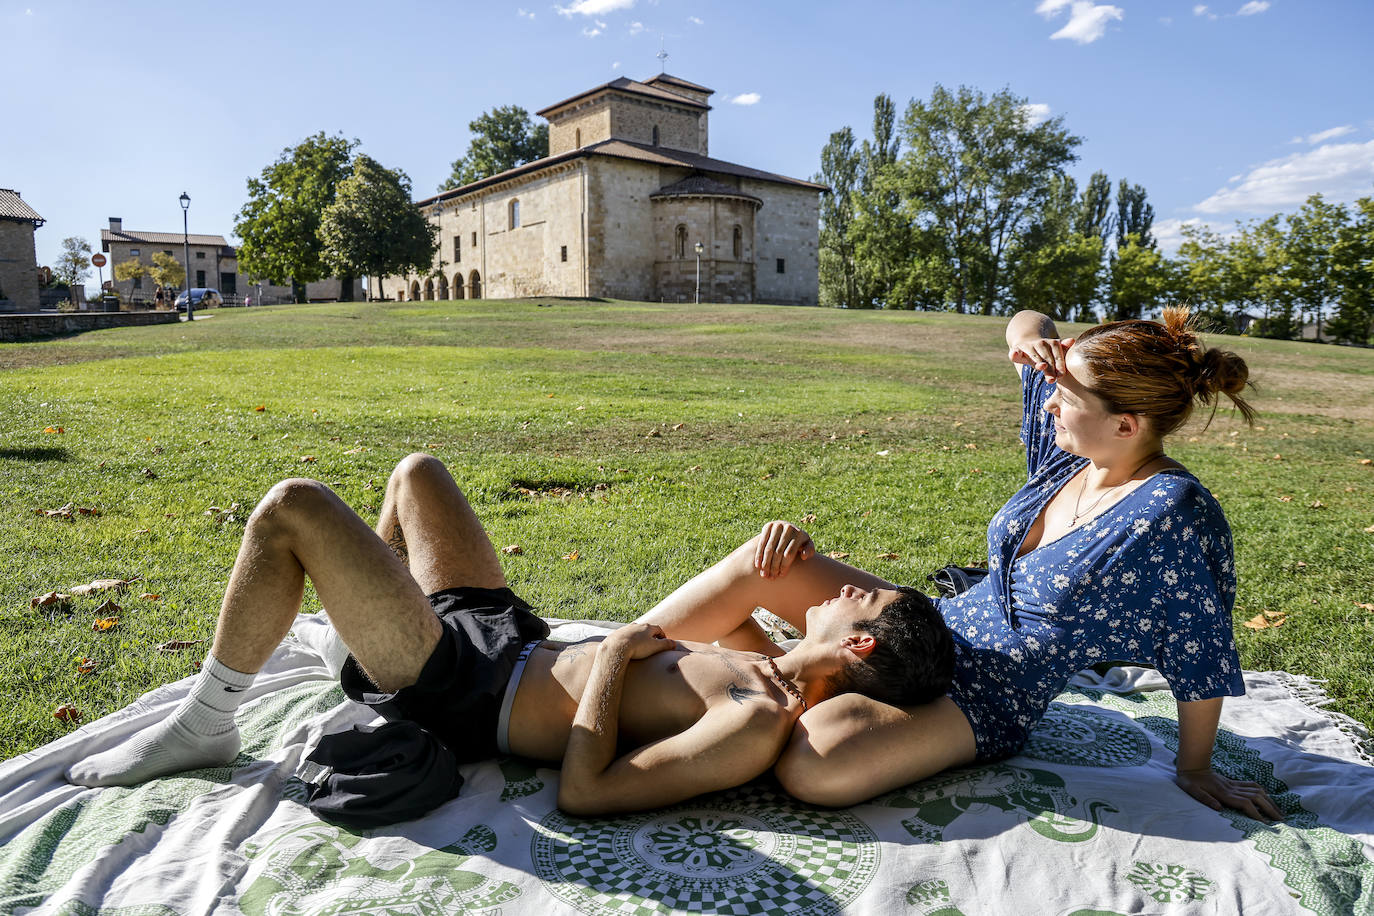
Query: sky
x=1225 y=111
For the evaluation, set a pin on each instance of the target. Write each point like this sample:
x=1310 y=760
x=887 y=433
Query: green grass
x=783 y=412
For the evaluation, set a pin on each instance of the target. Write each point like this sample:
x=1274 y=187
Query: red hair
x=1157 y=369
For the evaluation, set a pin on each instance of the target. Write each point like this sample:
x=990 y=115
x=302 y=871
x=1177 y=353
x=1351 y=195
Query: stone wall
x=620 y=227
x=634 y=119
x=725 y=277
x=18 y=267
x=28 y=327
x=592 y=119
x=786 y=227
x=203 y=257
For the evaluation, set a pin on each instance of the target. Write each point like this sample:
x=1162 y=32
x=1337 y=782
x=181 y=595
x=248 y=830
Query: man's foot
x=169 y=747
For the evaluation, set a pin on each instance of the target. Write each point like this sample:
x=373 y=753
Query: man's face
x=840 y=614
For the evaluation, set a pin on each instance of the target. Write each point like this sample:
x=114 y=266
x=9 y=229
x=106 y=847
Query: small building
x=629 y=205
x=18 y=256
x=214 y=264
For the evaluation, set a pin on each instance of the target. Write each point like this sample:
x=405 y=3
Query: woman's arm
x=1197 y=733
x=1033 y=340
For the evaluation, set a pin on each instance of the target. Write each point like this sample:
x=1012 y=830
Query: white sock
x=200 y=733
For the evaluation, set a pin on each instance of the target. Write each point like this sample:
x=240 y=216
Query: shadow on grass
x=35 y=454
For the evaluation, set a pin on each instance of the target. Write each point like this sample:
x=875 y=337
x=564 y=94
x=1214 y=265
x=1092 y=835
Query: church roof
x=678 y=81
x=629 y=87
x=158 y=238
x=702 y=186
x=623 y=149
x=12 y=206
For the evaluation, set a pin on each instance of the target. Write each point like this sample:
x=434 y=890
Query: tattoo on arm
x=397 y=542
x=740 y=694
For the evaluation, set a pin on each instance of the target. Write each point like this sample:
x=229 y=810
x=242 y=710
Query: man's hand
x=780 y=545
x=1217 y=791
x=1043 y=354
x=640 y=640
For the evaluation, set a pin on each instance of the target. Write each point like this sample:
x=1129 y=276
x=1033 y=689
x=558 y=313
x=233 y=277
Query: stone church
x=626 y=202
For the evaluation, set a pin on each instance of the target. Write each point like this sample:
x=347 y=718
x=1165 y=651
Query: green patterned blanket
x=1085 y=821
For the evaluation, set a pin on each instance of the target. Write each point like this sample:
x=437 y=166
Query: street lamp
x=700 y=248
x=186 y=253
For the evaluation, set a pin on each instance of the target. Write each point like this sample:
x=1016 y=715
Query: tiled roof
x=623 y=149
x=12 y=206
x=702 y=186
x=678 y=81
x=160 y=238
x=632 y=87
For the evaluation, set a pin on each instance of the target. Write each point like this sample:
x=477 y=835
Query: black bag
x=955 y=580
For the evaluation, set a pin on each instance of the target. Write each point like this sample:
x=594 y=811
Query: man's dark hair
x=913 y=661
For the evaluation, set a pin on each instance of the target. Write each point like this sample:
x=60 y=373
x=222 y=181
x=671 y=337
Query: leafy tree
x=74 y=263
x=166 y=271
x=1203 y=275
x=1312 y=235
x=280 y=223
x=976 y=173
x=132 y=269
x=1095 y=209
x=839 y=172
x=372 y=228
x=1133 y=215
x=1139 y=279
x=1259 y=278
x=1352 y=270
x=1060 y=278
x=501 y=139
x=893 y=270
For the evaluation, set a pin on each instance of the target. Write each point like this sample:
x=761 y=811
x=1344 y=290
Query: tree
x=372 y=228
x=1139 y=279
x=1056 y=263
x=166 y=271
x=1257 y=278
x=1352 y=269
x=977 y=172
x=1095 y=209
x=74 y=263
x=280 y=223
x=839 y=171
x=1133 y=215
x=501 y=139
x=1312 y=235
x=132 y=269
x=1202 y=276
x=891 y=267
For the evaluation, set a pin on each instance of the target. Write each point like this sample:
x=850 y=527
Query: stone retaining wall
x=54 y=324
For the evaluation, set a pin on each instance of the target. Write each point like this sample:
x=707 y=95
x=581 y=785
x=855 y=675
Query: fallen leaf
x=308 y=459
x=768 y=476
x=143 y=531
x=1317 y=505
x=260 y=408
x=808 y=518
x=252 y=437
x=86 y=666
x=653 y=434
x=149 y=473
x=203 y=442
x=972 y=445
x=888 y=556
x=1301 y=565
x=1367 y=461
x=838 y=555
x=176 y=645
x=571 y=556
x=105 y=623
x=884 y=453
x=102 y=585
x=54 y=429
x=66 y=713
x=356 y=451
x=1257 y=623
x=108 y=608
x=1365 y=604
x=1278 y=457
x=549 y=395
x=56 y=600
x=149 y=596
x=695 y=467
x=678 y=425
x=579 y=407
x=1285 y=499
x=512 y=550
x=1369 y=530
x=861 y=432
x=158 y=450
x=1273 y=614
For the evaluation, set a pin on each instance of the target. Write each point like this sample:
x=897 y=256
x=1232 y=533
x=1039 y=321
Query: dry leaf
x=67 y=713
x=203 y=442
x=888 y=556
x=549 y=395
x=1285 y=499
x=105 y=623
x=768 y=476
x=149 y=596
x=1257 y=623
x=108 y=608
x=838 y=555
x=54 y=429
x=1272 y=614
x=972 y=445
x=808 y=518
x=260 y=408
x=579 y=407
x=652 y=434
x=308 y=459
x=1301 y=565
x=102 y=585
x=149 y=473
x=55 y=600
x=1367 y=461
x=1317 y=505
x=176 y=645
x=1369 y=530
x=695 y=467
x=86 y=665
x=512 y=550
x=1365 y=604
x=252 y=437
x=356 y=451
x=678 y=425
x=1278 y=457
x=571 y=556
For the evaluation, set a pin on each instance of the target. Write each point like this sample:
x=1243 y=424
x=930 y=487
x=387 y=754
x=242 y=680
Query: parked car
x=201 y=298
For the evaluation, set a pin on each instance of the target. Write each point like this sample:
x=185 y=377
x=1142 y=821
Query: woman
x=1111 y=550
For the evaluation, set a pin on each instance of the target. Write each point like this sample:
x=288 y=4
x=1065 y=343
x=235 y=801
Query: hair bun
x=1222 y=371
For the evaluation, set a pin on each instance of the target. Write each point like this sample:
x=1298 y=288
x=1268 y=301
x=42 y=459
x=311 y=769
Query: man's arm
x=731 y=744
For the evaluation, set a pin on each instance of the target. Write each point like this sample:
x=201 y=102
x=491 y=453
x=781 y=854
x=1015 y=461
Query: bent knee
x=292 y=499
x=417 y=468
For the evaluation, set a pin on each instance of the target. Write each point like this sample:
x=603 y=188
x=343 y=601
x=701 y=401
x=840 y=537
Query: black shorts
x=458 y=694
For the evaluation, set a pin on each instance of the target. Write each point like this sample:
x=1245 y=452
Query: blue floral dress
x=1152 y=579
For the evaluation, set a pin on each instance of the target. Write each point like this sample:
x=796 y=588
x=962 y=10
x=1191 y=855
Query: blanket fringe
x=1309 y=692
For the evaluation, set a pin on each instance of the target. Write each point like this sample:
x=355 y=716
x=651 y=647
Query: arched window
x=655 y=135
x=680 y=243
x=414 y=290
x=739 y=244
x=474 y=285
x=515 y=213
x=429 y=290
x=577 y=138
x=458 y=286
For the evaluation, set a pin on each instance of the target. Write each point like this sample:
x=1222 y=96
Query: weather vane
x=662 y=56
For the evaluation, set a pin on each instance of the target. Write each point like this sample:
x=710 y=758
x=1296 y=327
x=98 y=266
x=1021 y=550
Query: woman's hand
x=780 y=545
x=1217 y=791
x=1043 y=354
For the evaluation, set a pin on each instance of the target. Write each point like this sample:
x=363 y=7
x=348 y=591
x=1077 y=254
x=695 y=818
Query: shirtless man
x=637 y=719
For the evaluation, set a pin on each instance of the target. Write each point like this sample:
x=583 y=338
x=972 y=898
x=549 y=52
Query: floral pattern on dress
x=1151 y=579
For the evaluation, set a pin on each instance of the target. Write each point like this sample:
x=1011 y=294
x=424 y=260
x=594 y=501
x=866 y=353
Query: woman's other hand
x=780 y=545
x=1043 y=354
x=1217 y=791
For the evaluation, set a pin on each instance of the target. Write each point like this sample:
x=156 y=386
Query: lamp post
x=186 y=253
x=700 y=248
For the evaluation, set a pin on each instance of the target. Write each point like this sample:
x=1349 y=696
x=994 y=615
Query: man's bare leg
x=300 y=528
x=717 y=603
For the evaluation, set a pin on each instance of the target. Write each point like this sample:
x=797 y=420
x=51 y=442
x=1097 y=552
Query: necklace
x=1077 y=513
x=786 y=684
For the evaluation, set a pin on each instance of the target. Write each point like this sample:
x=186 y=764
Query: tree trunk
x=297 y=291
x=346 y=294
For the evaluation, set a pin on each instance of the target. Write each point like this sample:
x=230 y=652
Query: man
x=638 y=720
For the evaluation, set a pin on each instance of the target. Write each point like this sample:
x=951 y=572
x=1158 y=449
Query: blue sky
x=1222 y=111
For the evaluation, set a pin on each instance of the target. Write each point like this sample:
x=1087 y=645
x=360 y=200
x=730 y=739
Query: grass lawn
x=623 y=446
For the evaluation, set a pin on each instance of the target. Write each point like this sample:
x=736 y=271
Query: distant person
x=1111 y=550
x=158 y=299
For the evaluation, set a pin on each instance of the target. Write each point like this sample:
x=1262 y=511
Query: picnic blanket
x=1086 y=820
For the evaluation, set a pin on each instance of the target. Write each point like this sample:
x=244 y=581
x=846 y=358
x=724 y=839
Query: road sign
x=98 y=260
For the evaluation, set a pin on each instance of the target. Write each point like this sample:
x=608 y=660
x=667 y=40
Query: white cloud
x=1329 y=134
x=1087 y=20
x=636 y=28
x=593 y=32
x=1253 y=7
x=694 y=20
x=615 y=65
x=1036 y=113
x=524 y=13
x=746 y=98
x=1338 y=171
x=593 y=7
x=1166 y=20
x=1202 y=10
x=1168 y=233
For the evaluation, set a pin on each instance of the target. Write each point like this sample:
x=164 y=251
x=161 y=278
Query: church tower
x=664 y=111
